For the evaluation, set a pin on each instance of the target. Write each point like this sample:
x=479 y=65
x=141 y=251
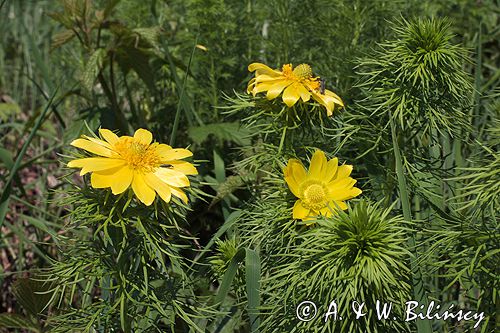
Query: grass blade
x=252 y=276
x=181 y=95
x=228 y=277
x=4 y=198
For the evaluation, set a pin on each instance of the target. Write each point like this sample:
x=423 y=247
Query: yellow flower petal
x=331 y=169
x=101 y=181
x=179 y=193
x=172 y=177
x=261 y=87
x=201 y=47
x=304 y=93
x=329 y=105
x=184 y=167
x=160 y=187
x=92 y=147
x=291 y=95
x=162 y=149
x=344 y=171
x=266 y=78
x=277 y=88
x=92 y=164
x=262 y=69
x=142 y=190
x=328 y=100
x=118 y=179
x=293 y=185
x=318 y=162
x=143 y=136
x=298 y=171
x=174 y=154
x=299 y=211
x=109 y=136
x=98 y=141
x=335 y=97
x=341 y=183
x=344 y=194
x=250 y=86
x=122 y=180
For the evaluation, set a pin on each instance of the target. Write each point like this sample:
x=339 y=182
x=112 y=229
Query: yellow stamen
x=137 y=155
x=314 y=84
x=287 y=71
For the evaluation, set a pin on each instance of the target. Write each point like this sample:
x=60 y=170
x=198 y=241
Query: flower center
x=303 y=72
x=314 y=196
x=137 y=155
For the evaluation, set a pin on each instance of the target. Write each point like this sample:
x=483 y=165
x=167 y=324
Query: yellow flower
x=322 y=189
x=295 y=84
x=151 y=168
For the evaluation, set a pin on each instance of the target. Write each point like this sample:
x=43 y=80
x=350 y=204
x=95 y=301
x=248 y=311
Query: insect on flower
x=322 y=85
x=293 y=84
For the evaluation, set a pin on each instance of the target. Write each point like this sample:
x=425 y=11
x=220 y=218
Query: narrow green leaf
x=423 y=326
x=228 y=277
x=181 y=94
x=252 y=276
x=4 y=198
x=42 y=225
x=11 y=320
x=220 y=176
x=32 y=294
x=219 y=168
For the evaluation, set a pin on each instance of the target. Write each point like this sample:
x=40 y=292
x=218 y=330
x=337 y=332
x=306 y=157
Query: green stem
x=423 y=326
x=282 y=140
x=475 y=112
x=435 y=153
x=137 y=112
x=181 y=97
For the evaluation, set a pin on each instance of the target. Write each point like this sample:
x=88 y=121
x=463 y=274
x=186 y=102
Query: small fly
x=322 y=85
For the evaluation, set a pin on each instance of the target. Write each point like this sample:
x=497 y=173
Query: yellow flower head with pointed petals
x=322 y=189
x=150 y=168
x=295 y=83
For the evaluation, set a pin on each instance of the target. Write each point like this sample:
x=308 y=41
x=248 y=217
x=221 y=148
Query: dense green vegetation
x=420 y=125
